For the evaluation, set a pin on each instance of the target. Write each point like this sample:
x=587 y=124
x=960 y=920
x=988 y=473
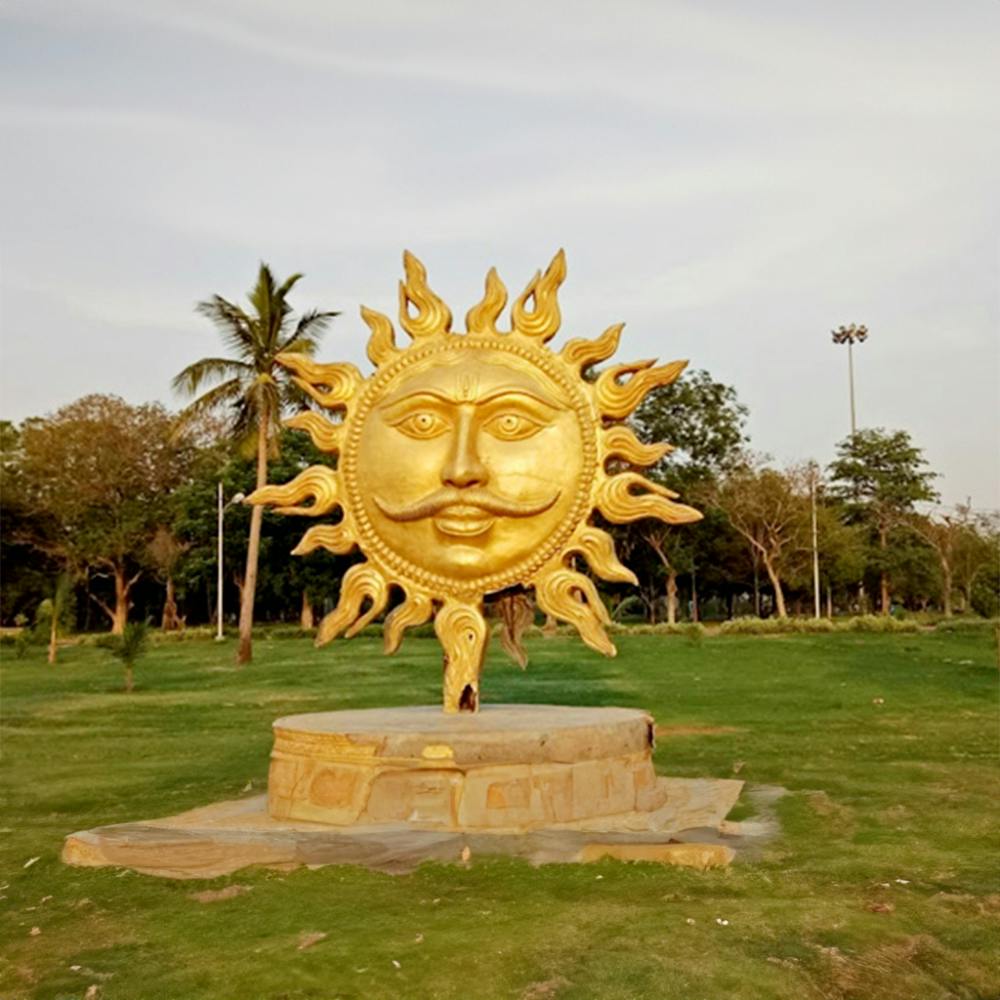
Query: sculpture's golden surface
x=471 y=463
x=454 y=468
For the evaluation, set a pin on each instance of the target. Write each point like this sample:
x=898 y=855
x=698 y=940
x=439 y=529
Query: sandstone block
x=700 y=856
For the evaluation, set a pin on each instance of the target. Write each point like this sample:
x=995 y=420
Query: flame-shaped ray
x=318 y=482
x=332 y=386
x=618 y=399
x=482 y=318
x=336 y=538
x=598 y=548
x=325 y=435
x=572 y=597
x=619 y=441
x=462 y=632
x=543 y=320
x=583 y=353
x=360 y=582
x=617 y=502
x=415 y=610
x=433 y=316
x=382 y=342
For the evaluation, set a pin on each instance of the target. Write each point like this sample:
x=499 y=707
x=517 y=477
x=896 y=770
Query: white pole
x=815 y=540
x=850 y=370
x=218 y=612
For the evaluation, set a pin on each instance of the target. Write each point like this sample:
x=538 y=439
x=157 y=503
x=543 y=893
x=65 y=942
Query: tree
x=285 y=584
x=976 y=558
x=128 y=647
x=96 y=476
x=704 y=422
x=165 y=550
x=26 y=579
x=61 y=598
x=251 y=385
x=291 y=585
x=916 y=573
x=943 y=533
x=195 y=523
x=879 y=475
x=770 y=509
x=702 y=419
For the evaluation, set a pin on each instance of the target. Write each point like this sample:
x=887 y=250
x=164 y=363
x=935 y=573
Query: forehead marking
x=468 y=386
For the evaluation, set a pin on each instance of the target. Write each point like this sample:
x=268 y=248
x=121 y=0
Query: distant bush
x=25 y=636
x=186 y=634
x=694 y=631
x=815 y=625
x=792 y=626
x=291 y=632
x=756 y=626
x=878 y=623
x=967 y=625
x=986 y=594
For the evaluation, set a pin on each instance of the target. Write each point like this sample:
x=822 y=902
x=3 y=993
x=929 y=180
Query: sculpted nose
x=463 y=467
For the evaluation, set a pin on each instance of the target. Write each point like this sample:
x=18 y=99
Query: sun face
x=471 y=463
x=453 y=473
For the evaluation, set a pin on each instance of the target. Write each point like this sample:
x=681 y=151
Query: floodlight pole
x=848 y=335
x=850 y=375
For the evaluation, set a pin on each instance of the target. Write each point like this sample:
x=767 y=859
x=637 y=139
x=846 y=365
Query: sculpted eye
x=512 y=426
x=423 y=424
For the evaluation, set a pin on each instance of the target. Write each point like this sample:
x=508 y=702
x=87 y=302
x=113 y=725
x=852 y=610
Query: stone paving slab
x=226 y=836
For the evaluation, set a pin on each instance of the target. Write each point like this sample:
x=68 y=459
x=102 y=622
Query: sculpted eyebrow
x=519 y=391
x=425 y=395
x=436 y=396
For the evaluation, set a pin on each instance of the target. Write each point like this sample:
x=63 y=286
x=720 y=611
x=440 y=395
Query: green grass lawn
x=884 y=882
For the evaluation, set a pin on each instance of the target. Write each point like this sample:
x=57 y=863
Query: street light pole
x=222 y=507
x=849 y=335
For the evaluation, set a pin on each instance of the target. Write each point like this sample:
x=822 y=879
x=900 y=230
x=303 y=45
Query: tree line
x=109 y=510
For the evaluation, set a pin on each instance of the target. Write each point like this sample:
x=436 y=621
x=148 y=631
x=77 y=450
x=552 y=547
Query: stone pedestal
x=390 y=788
x=508 y=767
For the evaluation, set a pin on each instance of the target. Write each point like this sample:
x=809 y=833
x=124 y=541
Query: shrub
x=29 y=635
x=816 y=625
x=298 y=632
x=986 y=594
x=692 y=631
x=753 y=626
x=813 y=626
x=967 y=625
x=878 y=623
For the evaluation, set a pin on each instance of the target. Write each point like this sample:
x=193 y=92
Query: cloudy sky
x=732 y=179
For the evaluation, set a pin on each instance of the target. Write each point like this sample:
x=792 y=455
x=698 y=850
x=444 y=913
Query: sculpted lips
x=465 y=512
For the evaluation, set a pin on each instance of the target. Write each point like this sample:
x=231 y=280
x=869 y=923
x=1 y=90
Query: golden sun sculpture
x=471 y=463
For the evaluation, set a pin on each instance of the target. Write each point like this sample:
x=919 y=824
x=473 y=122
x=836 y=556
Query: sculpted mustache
x=484 y=500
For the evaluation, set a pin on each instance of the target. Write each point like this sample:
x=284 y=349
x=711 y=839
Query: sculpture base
x=389 y=788
x=507 y=767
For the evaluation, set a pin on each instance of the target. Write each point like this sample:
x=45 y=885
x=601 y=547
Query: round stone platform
x=390 y=788
x=507 y=767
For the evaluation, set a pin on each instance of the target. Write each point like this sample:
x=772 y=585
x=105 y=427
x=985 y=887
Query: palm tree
x=251 y=385
x=128 y=647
